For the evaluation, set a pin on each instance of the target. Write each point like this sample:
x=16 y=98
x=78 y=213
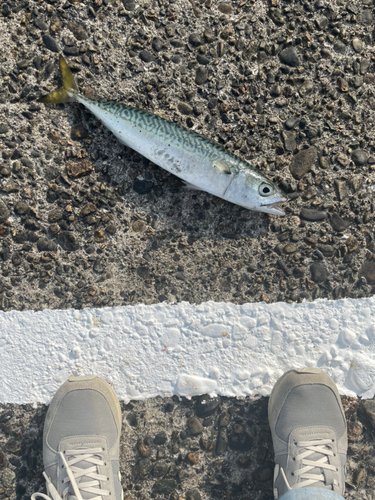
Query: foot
x=308 y=431
x=81 y=442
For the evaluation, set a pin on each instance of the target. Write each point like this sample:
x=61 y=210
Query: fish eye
x=266 y=189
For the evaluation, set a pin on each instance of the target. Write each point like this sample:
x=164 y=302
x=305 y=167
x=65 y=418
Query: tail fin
x=61 y=96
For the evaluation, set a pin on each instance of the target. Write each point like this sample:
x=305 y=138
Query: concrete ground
x=84 y=221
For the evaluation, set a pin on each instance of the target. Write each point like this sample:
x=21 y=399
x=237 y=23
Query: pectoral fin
x=223 y=167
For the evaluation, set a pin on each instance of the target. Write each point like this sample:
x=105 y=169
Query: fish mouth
x=274 y=208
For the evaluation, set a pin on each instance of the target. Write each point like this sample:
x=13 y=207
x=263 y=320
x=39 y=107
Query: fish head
x=251 y=190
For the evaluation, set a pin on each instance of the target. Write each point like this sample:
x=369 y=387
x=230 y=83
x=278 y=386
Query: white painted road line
x=183 y=349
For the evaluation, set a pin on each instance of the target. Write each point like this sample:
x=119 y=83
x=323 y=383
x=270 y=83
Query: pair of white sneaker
x=83 y=428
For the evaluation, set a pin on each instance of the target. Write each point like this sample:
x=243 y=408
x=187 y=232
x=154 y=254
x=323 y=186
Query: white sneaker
x=81 y=442
x=308 y=431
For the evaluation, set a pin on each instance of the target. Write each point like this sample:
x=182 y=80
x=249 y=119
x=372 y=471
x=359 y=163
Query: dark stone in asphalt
x=302 y=162
x=368 y=271
x=46 y=245
x=206 y=406
x=311 y=214
x=290 y=57
x=68 y=241
x=195 y=426
x=318 y=272
x=146 y=56
x=360 y=157
x=201 y=75
x=50 y=43
x=4 y=212
x=337 y=223
x=160 y=438
x=221 y=442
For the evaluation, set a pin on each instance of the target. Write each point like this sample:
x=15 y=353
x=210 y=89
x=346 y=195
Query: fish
x=201 y=163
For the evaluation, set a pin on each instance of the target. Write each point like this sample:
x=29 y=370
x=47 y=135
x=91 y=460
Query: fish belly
x=169 y=148
x=184 y=164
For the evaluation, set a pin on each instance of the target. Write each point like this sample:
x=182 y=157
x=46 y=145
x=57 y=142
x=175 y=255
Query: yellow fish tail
x=61 y=96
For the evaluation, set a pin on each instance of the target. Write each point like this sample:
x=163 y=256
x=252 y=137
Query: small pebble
x=4 y=212
x=50 y=43
x=143 y=449
x=206 y=406
x=360 y=157
x=313 y=215
x=160 y=438
x=289 y=139
x=21 y=208
x=369 y=407
x=209 y=35
x=142 y=186
x=192 y=495
x=195 y=426
x=202 y=59
x=46 y=245
x=337 y=223
x=164 y=486
x=4 y=128
x=78 y=168
x=146 y=56
x=342 y=190
x=290 y=57
x=318 y=272
x=302 y=162
x=184 y=108
x=201 y=75
x=193 y=457
x=129 y=5
x=221 y=442
x=139 y=226
x=290 y=248
x=78 y=31
x=291 y=123
x=225 y=8
x=357 y=45
x=195 y=39
x=68 y=241
x=367 y=270
x=322 y=22
x=157 y=44
x=339 y=47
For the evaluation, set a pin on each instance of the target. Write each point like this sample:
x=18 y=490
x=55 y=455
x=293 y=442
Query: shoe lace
x=310 y=460
x=74 y=475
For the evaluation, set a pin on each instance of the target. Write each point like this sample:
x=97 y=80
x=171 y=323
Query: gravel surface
x=190 y=449
x=84 y=221
x=287 y=85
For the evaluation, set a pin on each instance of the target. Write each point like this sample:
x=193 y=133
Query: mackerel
x=198 y=161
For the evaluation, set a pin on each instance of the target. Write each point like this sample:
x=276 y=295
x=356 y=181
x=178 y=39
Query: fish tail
x=64 y=94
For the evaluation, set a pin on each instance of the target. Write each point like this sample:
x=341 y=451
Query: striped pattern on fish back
x=161 y=127
x=172 y=132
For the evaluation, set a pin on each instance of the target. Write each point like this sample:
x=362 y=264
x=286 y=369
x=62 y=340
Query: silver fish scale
x=160 y=127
